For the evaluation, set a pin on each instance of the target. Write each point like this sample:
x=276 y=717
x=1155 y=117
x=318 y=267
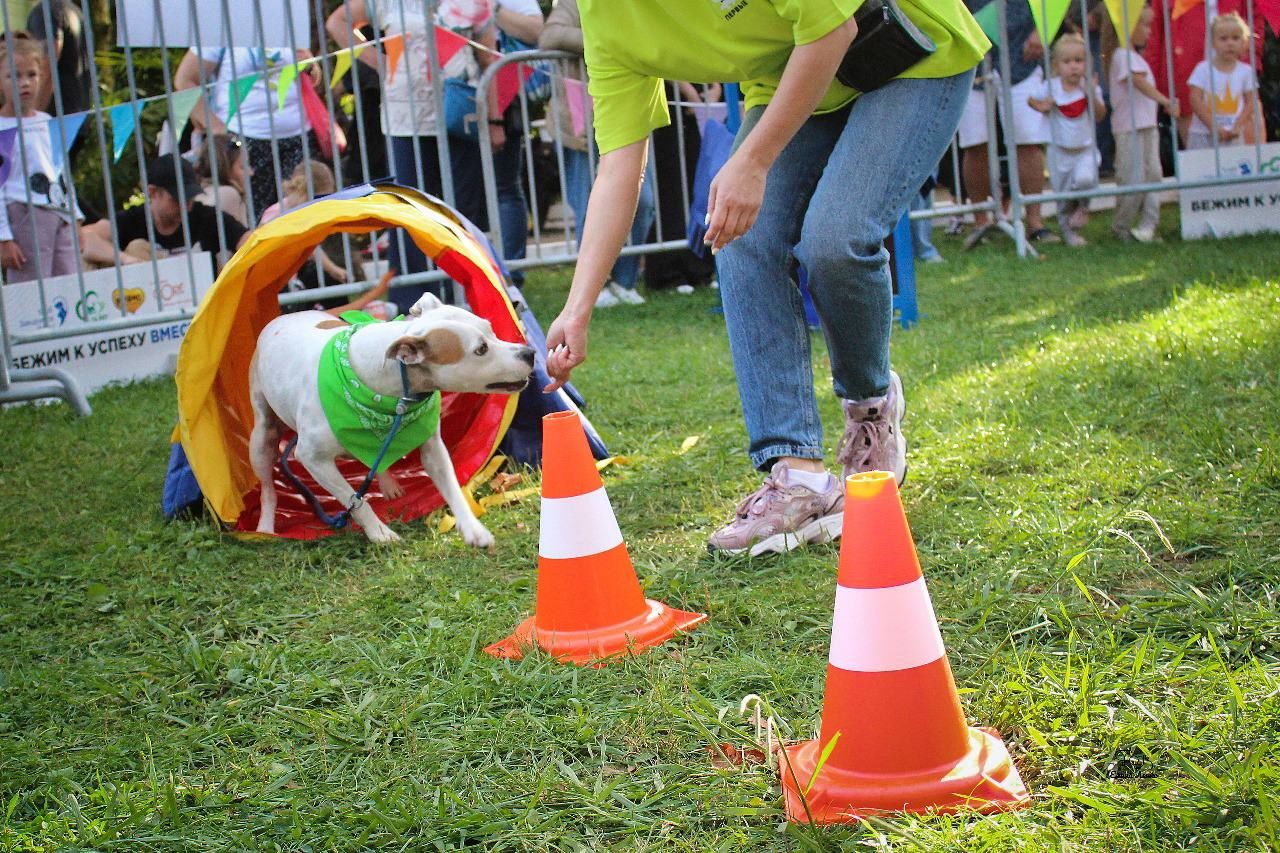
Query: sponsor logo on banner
x=1233 y=209
x=99 y=358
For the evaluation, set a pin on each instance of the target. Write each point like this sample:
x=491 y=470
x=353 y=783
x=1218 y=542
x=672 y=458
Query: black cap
x=160 y=173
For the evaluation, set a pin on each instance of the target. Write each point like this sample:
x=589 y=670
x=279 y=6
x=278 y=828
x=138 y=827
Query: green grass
x=1095 y=499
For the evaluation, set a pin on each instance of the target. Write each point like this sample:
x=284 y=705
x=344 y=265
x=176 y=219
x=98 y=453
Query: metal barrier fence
x=284 y=109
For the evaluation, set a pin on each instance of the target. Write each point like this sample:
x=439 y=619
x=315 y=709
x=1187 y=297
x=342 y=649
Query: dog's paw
x=390 y=486
x=477 y=536
x=382 y=535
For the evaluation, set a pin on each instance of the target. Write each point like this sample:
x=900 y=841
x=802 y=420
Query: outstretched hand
x=734 y=200
x=566 y=348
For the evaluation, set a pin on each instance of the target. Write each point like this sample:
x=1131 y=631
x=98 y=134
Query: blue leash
x=339 y=521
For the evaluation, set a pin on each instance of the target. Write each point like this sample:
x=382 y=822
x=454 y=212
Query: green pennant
x=239 y=88
x=287 y=75
x=184 y=101
x=1048 y=15
x=989 y=19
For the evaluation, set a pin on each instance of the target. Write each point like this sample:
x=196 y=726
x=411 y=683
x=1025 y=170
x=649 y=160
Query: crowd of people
x=1095 y=112
x=1086 y=118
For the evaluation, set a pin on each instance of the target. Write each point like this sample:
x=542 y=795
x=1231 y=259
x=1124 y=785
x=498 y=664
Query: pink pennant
x=575 y=92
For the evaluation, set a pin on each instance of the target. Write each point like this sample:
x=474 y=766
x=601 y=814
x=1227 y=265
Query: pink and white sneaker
x=781 y=515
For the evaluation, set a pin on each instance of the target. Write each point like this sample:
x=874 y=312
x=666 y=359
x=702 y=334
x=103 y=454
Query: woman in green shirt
x=819 y=175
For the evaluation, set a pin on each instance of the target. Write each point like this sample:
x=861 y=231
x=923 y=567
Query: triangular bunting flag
x=123 y=123
x=510 y=78
x=239 y=88
x=1124 y=14
x=1269 y=11
x=1048 y=15
x=448 y=43
x=341 y=65
x=1182 y=7
x=287 y=75
x=66 y=129
x=575 y=94
x=394 y=47
x=988 y=17
x=7 y=138
x=184 y=101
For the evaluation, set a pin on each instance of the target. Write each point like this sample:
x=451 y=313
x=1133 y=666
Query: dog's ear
x=409 y=349
x=427 y=302
x=439 y=346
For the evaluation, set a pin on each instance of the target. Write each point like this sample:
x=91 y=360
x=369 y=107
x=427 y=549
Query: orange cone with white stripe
x=589 y=604
x=901 y=743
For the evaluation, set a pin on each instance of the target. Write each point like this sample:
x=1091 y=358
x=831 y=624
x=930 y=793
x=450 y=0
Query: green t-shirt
x=359 y=417
x=631 y=45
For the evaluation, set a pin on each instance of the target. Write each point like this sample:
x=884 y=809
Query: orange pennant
x=394 y=48
x=1182 y=7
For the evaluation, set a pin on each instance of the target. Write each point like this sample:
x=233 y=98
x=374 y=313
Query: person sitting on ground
x=36 y=215
x=166 y=185
x=225 y=155
x=297 y=193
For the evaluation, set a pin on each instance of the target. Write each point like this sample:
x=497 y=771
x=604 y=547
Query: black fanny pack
x=887 y=44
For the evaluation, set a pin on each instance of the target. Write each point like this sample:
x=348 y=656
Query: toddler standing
x=33 y=200
x=1073 y=157
x=1223 y=90
x=1134 y=98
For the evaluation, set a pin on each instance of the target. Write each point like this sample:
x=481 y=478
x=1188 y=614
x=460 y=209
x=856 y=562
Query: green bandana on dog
x=360 y=417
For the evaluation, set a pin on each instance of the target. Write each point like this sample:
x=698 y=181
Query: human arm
x=525 y=27
x=188 y=76
x=1040 y=105
x=1244 y=122
x=1098 y=101
x=563 y=30
x=11 y=255
x=488 y=37
x=610 y=211
x=95 y=245
x=343 y=25
x=1200 y=107
x=738 y=189
x=1146 y=87
x=331 y=269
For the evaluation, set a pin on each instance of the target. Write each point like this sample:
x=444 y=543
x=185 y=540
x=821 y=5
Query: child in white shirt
x=1134 y=99
x=33 y=199
x=1073 y=158
x=1224 y=89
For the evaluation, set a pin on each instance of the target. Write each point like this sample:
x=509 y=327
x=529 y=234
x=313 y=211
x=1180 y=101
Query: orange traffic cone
x=589 y=604
x=900 y=739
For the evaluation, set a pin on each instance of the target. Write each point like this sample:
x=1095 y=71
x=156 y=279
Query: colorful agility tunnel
x=214 y=413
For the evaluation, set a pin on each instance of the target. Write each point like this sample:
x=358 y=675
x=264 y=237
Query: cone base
x=602 y=645
x=985 y=780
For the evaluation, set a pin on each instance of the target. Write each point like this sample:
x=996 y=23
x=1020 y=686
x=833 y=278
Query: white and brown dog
x=442 y=348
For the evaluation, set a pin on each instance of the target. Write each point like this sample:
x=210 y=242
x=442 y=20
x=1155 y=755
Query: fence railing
x=333 y=98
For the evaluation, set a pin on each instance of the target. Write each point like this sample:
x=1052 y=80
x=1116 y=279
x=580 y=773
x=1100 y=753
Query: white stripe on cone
x=578 y=527
x=885 y=629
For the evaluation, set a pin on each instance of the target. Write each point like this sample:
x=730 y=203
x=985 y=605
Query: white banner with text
x=96 y=359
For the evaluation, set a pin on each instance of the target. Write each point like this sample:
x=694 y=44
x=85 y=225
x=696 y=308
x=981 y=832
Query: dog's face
x=449 y=349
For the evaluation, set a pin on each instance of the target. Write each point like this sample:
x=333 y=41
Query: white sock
x=815 y=481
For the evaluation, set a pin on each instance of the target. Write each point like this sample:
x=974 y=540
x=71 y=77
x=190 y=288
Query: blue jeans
x=407 y=153
x=577 y=180
x=513 y=211
x=831 y=198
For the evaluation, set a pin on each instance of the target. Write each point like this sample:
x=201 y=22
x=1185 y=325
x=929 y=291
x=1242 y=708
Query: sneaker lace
x=759 y=501
x=860 y=441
